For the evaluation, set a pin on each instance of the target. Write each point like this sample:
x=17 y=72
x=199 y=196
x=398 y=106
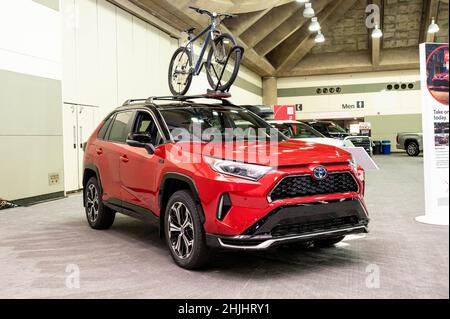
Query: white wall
x=376 y=103
x=110 y=56
x=30 y=39
x=30 y=99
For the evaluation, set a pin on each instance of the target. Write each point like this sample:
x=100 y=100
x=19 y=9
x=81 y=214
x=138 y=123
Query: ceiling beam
x=144 y=14
x=264 y=26
x=286 y=29
x=244 y=23
x=287 y=55
x=338 y=63
x=430 y=10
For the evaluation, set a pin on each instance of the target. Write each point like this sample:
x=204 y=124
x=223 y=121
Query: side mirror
x=142 y=141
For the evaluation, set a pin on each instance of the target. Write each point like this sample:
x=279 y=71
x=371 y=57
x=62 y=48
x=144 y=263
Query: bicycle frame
x=190 y=46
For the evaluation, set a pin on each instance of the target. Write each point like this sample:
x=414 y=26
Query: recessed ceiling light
x=433 y=28
x=302 y=1
x=315 y=25
x=377 y=33
x=319 y=38
x=309 y=11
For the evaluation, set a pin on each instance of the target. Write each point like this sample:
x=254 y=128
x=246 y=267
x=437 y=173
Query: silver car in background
x=412 y=143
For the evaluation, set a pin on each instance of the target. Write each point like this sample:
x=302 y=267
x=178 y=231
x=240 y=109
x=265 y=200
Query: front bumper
x=305 y=222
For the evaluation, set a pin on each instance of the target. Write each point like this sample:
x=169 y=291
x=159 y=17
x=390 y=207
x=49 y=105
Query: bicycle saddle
x=190 y=30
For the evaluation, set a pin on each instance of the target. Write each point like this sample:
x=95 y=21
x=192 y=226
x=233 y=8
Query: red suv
x=151 y=159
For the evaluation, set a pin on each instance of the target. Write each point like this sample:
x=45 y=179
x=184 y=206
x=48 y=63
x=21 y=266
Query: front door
x=139 y=169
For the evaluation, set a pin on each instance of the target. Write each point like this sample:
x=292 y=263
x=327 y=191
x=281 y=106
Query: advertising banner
x=284 y=112
x=434 y=67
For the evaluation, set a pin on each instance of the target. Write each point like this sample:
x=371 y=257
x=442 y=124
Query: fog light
x=224 y=206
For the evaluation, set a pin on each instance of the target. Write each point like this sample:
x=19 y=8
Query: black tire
x=104 y=216
x=324 y=243
x=176 y=58
x=199 y=251
x=211 y=72
x=412 y=148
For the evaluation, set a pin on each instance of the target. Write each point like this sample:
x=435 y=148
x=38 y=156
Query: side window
x=102 y=132
x=119 y=129
x=145 y=125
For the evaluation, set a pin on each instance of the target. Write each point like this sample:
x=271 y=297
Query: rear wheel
x=184 y=231
x=217 y=63
x=324 y=243
x=180 y=72
x=412 y=149
x=98 y=215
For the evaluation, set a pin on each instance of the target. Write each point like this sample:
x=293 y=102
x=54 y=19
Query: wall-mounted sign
x=357 y=105
x=299 y=107
x=435 y=122
x=284 y=112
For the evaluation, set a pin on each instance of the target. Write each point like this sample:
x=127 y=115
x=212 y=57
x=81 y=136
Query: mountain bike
x=223 y=49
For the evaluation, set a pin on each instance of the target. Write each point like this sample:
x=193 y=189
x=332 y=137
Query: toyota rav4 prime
x=214 y=175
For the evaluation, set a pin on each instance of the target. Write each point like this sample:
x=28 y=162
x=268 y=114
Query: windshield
x=297 y=130
x=211 y=124
x=334 y=128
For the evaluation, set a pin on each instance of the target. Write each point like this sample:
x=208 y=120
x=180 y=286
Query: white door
x=70 y=138
x=85 y=126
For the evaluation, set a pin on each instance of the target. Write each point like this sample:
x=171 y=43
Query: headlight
x=243 y=170
x=353 y=164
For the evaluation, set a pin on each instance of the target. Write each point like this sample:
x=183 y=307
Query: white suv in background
x=300 y=131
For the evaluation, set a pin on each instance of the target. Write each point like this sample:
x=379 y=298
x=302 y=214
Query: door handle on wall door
x=124 y=159
x=81 y=137
x=74 y=137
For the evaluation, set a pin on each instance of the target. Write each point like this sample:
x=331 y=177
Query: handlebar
x=212 y=15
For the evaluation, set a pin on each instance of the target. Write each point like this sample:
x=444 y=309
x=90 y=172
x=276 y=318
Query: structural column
x=270 y=88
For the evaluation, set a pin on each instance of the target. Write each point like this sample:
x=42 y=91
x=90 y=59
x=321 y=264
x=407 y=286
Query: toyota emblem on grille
x=320 y=173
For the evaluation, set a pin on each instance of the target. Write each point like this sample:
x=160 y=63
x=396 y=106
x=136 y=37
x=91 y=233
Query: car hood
x=325 y=140
x=285 y=153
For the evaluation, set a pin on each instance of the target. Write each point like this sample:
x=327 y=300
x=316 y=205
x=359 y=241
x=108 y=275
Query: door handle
x=124 y=159
x=99 y=151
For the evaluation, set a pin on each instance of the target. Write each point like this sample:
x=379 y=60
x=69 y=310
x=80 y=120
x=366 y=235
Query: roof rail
x=128 y=102
x=182 y=98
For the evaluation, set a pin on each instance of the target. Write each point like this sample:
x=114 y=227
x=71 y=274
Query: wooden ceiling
x=278 y=43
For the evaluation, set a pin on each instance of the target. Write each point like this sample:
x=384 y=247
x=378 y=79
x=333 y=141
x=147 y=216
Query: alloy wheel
x=92 y=203
x=181 y=230
x=412 y=149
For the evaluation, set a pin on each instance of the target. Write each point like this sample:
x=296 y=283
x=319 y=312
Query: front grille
x=305 y=185
x=316 y=226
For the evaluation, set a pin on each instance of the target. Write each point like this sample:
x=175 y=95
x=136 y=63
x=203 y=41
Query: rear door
x=108 y=152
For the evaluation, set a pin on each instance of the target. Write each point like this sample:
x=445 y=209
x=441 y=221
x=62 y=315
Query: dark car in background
x=333 y=130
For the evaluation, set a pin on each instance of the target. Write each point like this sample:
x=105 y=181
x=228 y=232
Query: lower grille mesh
x=323 y=225
x=301 y=186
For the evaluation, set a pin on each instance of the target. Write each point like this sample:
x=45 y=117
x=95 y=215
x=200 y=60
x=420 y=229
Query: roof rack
x=128 y=102
x=183 y=98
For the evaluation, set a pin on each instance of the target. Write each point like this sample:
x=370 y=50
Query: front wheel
x=220 y=77
x=412 y=149
x=180 y=72
x=184 y=231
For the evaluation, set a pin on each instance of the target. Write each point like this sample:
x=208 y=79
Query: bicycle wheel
x=217 y=62
x=180 y=74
